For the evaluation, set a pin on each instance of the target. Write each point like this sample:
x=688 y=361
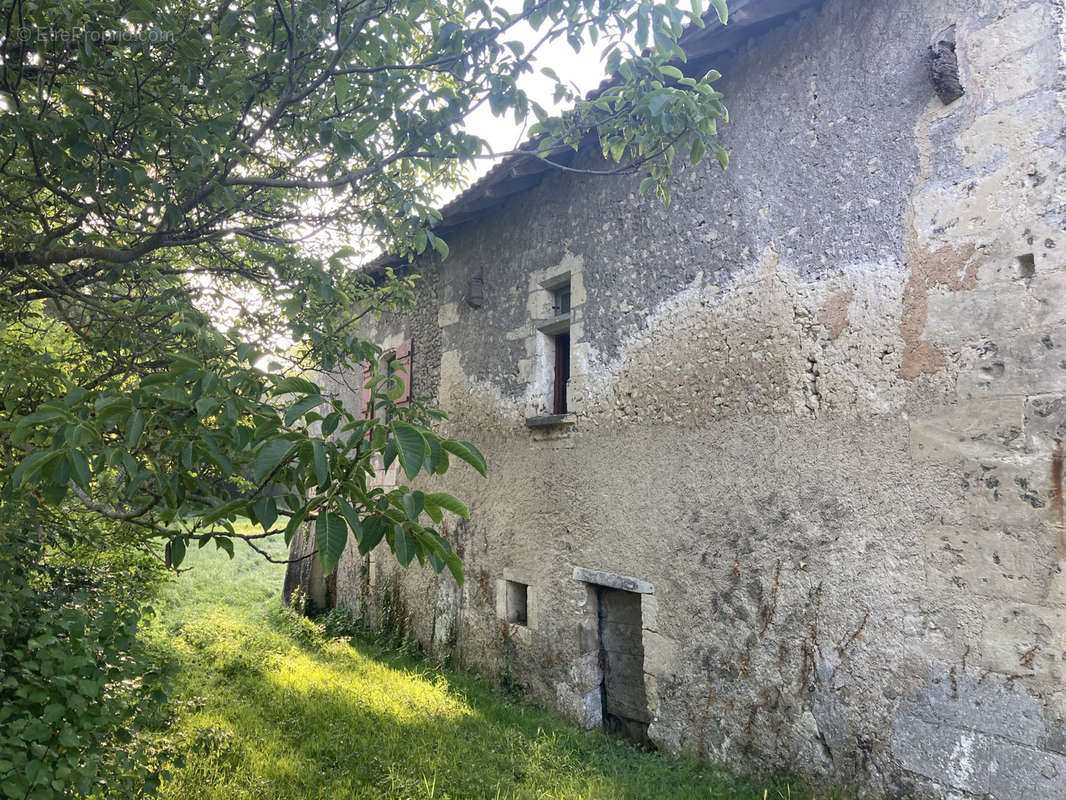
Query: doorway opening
x=625 y=704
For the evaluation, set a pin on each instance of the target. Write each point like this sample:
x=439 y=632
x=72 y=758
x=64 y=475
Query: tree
x=161 y=161
x=167 y=165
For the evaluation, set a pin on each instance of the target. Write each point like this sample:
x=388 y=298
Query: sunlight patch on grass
x=356 y=679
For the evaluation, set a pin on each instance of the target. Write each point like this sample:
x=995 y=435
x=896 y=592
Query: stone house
x=775 y=475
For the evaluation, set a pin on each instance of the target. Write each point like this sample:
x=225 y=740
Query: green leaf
x=329 y=424
x=404 y=544
x=413 y=503
x=468 y=453
x=455 y=566
x=295 y=521
x=331 y=534
x=295 y=385
x=224 y=510
x=300 y=408
x=647 y=185
x=321 y=464
x=374 y=528
x=672 y=71
x=175 y=552
x=721 y=155
x=79 y=466
x=134 y=429
x=271 y=456
x=697 y=151
x=266 y=511
x=40 y=417
x=448 y=502
x=720 y=8
x=410 y=447
x=341 y=86
x=354 y=523
x=206 y=406
x=31 y=464
x=657 y=103
x=389 y=454
x=436 y=456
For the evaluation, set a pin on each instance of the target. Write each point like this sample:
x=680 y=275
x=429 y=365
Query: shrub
x=76 y=687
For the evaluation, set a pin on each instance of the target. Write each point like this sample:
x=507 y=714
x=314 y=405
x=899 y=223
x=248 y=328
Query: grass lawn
x=271 y=709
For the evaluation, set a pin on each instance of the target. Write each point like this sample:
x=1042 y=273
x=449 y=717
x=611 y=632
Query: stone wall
x=819 y=407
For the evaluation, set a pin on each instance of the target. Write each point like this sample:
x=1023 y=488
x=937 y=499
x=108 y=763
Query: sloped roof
x=518 y=173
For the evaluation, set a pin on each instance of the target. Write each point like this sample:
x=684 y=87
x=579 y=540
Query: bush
x=76 y=687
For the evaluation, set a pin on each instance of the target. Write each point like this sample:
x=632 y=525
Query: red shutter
x=403 y=355
x=365 y=408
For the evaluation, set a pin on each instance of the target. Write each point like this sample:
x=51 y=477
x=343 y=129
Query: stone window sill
x=551 y=420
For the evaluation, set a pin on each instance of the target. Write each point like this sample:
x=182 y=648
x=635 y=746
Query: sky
x=584 y=69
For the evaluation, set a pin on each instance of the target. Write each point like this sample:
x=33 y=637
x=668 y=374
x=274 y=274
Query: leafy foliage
x=163 y=162
x=165 y=452
x=75 y=684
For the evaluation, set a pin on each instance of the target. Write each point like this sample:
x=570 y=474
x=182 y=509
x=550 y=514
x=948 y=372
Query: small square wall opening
x=1026 y=265
x=517 y=603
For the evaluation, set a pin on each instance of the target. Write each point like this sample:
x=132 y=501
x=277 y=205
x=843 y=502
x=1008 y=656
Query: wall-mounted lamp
x=944 y=67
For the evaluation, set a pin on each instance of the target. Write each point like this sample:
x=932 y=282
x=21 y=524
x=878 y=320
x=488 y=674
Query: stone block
x=585 y=672
x=1030 y=363
x=989 y=561
x=966 y=702
x=1000 y=309
x=1003 y=39
x=1025 y=639
x=1022 y=772
x=958 y=758
x=583 y=707
x=660 y=655
x=649 y=611
x=588 y=638
x=986 y=428
x=613 y=581
x=447 y=314
x=1044 y=421
x=1019 y=75
x=501 y=599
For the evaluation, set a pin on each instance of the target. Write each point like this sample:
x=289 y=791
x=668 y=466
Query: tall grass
x=275 y=710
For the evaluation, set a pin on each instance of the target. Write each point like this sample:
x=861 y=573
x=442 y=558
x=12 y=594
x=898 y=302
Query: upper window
x=555 y=347
x=561 y=300
x=562 y=371
x=559 y=334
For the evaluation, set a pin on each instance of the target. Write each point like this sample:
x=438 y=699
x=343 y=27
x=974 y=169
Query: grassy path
x=274 y=710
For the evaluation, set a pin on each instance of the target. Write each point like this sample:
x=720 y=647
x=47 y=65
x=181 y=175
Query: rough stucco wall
x=818 y=405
